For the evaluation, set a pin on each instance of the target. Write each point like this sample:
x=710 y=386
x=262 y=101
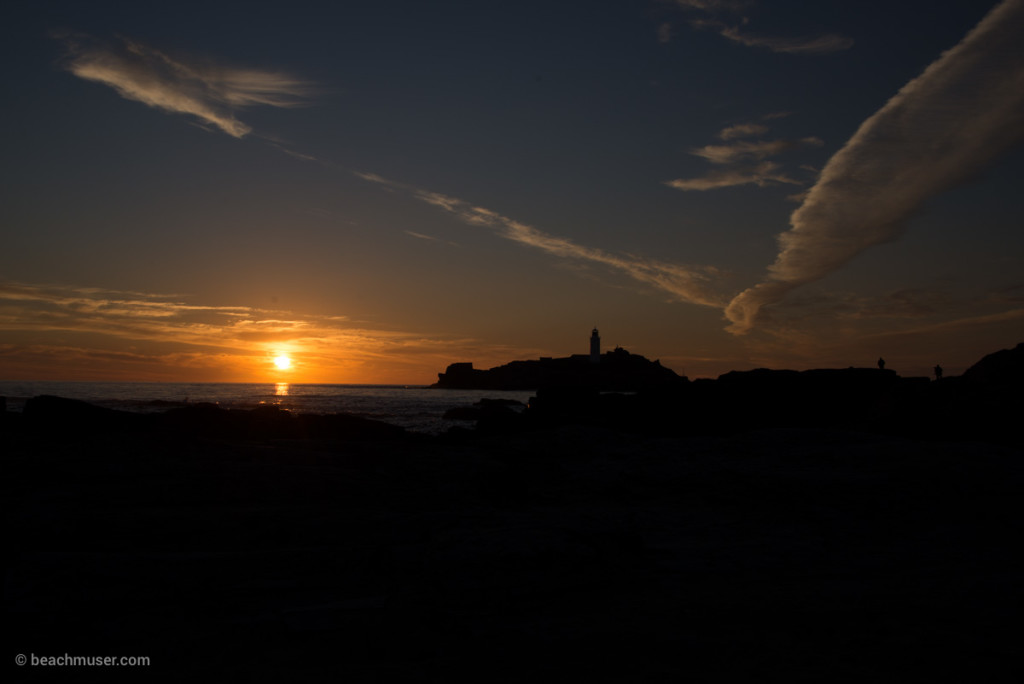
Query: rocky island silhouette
x=616 y=370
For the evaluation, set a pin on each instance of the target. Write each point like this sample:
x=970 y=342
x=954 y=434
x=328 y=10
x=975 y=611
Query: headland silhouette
x=621 y=390
x=615 y=370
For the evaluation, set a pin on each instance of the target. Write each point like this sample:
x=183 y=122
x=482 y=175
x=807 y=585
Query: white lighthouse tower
x=595 y=347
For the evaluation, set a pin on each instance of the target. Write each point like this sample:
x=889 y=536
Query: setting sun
x=283 y=362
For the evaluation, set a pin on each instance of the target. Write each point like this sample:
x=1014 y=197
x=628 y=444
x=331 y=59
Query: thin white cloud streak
x=762 y=175
x=297 y=155
x=683 y=283
x=114 y=302
x=818 y=45
x=744 y=130
x=694 y=284
x=206 y=91
x=939 y=131
x=742 y=150
x=714 y=5
x=747 y=159
x=421 y=236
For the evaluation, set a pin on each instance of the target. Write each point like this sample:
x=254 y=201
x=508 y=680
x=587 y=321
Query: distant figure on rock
x=881 y=363
x=938 y=372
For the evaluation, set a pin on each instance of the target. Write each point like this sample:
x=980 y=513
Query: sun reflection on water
x=281 y=389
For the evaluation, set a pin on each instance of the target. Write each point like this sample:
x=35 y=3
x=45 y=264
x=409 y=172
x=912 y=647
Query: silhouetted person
x=938 y=372
x=881 y=363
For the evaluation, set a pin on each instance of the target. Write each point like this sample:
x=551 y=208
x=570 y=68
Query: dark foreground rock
x=48 y=415
x=571 y=554
x=985 y=404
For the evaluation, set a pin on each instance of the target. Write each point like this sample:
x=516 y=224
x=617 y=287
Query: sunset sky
x=375 y=190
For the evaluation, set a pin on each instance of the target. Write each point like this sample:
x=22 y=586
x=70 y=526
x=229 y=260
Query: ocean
x=415 y=408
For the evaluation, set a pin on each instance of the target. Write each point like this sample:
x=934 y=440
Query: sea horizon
x=420 y=408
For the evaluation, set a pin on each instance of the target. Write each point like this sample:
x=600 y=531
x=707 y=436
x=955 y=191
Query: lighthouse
x=595 y=347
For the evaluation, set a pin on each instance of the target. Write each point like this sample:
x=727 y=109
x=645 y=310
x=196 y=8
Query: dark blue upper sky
x=412 y=181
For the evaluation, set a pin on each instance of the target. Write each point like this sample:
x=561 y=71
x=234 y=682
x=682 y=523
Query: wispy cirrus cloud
x=63 y=332
x=712 y=13
x=159 y=318
x=747 y=159
x=744 y=130
x=715 y=5
x=138 y=316
x=210 y=92
x=762 y=175
x=810 y=45
x=695 y=284
x=937 y=132
x=744 y=150
x=421 y=236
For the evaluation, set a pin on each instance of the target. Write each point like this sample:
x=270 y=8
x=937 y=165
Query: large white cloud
x=937 y=132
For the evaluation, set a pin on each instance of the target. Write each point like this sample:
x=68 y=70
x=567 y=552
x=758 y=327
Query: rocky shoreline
x=569 y=554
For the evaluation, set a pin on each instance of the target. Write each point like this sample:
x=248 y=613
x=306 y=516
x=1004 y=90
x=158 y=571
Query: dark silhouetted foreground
x=780 y=540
